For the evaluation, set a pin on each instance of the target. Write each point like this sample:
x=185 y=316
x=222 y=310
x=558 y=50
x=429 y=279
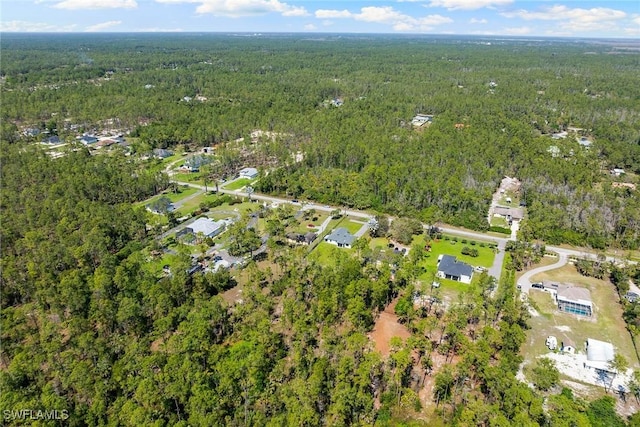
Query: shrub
x=469 y=251
x=502 y=230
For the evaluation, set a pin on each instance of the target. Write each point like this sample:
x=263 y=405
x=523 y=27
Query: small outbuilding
x=568 y=346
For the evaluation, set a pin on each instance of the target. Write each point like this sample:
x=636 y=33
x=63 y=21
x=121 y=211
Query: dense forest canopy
x=365 y=154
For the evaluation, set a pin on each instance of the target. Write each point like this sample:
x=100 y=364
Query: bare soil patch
x=387 y=327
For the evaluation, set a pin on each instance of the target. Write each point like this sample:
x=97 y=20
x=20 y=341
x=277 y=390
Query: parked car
x=537 y=285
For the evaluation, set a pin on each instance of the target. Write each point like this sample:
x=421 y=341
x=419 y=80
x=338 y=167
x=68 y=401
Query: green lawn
x=352 y=227
x=195 y=178
x=302 y=227
x=326 y=254
x=449 y=247
x=174 y=197
x=238 y=184
x=498 y=221
x=194 y=204
x=379 y=243
x=183 y=192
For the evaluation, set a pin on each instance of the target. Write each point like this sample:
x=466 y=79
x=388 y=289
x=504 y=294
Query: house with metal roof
x=450 y=268
x=202 y=227
x=340 y=237
x=599 y=354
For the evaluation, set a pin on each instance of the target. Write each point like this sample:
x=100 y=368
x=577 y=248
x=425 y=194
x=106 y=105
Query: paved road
x=495 y=269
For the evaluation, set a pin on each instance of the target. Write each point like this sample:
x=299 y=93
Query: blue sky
x=571 y=18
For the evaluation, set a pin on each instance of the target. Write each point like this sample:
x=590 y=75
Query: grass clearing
x=173 y=197
x=192 y=205
x=238 y=184
x=351 y=226
x=194 y=178
x=606 y=324
x=326 y=254
x=303 y=226
x=450 y=247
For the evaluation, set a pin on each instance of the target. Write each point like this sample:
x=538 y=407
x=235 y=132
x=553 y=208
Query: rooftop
x=575 y=294
x=599 y=351
x=205 y=226
x=341 y=236
x=451 y=266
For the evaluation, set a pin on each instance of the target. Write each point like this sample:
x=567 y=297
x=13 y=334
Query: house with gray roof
x=340 y=237
x=193 y=163
x=574 y=300
x=204 y=227
x=249 y=173
x=450 y=268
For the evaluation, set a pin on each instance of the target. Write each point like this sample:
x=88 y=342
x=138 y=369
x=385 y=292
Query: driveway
x=525 y=280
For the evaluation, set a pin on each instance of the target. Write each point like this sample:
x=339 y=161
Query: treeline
x=365 y=153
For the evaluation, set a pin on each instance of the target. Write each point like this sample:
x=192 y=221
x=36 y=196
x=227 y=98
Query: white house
x=250 y=173
x=340 y=237
x=206 y=226
x=450 y=268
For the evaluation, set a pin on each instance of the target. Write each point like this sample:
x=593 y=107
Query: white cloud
x=468 y=4
x=103 y=26
x=576 y=18
x=40 y=27
x=636 y=19
x=239 y=8
x=516 y=31
x=310 y=27
x=324 y=13
x=389 y=16
x=478 y=21
x=632 y=31
x=96 y=4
